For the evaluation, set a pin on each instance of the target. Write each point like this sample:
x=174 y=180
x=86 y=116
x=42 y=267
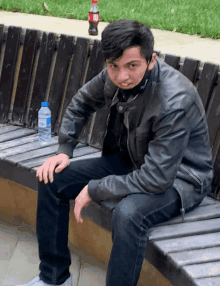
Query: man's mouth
x=124 y=85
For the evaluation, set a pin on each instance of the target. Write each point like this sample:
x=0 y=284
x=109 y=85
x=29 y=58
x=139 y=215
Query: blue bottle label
x=48 y=120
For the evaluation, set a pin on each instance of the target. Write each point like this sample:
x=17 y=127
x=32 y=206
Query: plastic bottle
x=93 y=19
x=44 y=124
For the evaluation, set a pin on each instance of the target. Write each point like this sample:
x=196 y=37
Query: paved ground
x=206 y=50
x=19 y=262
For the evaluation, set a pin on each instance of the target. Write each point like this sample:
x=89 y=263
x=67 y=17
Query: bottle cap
x=44 y=104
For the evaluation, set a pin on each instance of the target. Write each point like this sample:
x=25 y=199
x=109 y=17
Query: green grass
x=195 y=17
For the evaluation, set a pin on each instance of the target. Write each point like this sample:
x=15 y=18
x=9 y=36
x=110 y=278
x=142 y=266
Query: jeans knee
x=124 y=211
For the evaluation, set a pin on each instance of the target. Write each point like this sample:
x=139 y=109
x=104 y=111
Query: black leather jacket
x=168 y=137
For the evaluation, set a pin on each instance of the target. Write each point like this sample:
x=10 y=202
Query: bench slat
x=8 y=70
x=47 y=48
x=196 y=256
x=24 y=78
x=96 y=65
x=36 y=152
x=93 y=154
x=65 y=51
x=203 y=270
x=6 y=129
x=78 y=152
x=25 y=148
x=213 y=115
x=189 y=243
x=214 y=281
x=199 y=213
x=77 y=72
x=172 y=60
x=208 y=201
x=207 y=81
x=32 y=154
x=16 y=134
x=184 y=229
x=190 y=68
x=19 y=141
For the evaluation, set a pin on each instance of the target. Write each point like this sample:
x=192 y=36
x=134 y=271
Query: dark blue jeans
x=132 y=217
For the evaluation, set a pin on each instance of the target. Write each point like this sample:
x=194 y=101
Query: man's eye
x=112 y=66
x=132 y=65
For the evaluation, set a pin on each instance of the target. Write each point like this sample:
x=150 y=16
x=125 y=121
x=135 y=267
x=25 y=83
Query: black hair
x=122 y=34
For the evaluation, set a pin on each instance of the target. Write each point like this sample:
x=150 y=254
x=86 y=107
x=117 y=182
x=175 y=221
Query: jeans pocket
x=194 y=179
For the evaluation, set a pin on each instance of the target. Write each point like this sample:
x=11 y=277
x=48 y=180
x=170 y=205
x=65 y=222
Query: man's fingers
x=39 y=173
x=77 y=212
x=51 y=170
x=62 y=166
x=45 y=172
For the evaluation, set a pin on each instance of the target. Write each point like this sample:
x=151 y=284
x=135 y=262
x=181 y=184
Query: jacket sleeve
x=160 y=166
x=87 y=100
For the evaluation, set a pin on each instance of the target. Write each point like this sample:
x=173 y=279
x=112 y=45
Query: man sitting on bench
x=156 y=160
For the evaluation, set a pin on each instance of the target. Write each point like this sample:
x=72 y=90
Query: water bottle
x=44 y=124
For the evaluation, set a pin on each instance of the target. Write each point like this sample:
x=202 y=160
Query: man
x=156 y=159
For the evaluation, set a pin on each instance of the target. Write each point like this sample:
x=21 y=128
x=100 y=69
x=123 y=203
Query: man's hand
x=81 y=201
x=45 y=171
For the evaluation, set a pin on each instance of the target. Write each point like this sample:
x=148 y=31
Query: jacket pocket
x=193 y=178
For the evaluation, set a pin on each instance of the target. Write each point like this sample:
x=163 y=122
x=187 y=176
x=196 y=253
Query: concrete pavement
x=205 y=50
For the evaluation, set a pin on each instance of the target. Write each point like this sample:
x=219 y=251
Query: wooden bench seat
x=50 y=67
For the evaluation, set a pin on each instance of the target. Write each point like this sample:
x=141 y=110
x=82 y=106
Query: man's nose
x=123 y=76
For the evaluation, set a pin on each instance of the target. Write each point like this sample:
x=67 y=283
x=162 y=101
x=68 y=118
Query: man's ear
x=153 y=60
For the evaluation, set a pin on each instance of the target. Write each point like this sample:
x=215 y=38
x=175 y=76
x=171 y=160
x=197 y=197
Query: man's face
x=127 y=71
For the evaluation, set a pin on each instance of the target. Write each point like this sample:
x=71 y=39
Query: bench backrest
x=36 y=66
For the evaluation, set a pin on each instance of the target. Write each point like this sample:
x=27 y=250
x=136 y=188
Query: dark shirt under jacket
x=121 y=125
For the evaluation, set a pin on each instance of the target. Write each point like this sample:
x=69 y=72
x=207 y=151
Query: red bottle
x=93 y=19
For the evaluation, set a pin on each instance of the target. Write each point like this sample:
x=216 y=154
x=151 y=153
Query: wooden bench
x=37 y=66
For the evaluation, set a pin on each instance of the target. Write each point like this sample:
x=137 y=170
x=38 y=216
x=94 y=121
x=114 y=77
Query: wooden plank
x=81 y=49
x=9 y=128
x=41 y=151
x=196 y=256
x=78 y=153
x=163 y=263
x=32 y=154
x=47 y=48
x=89 y=156
x=19 y=141
x=213 y=115
x=65 y=51
x=208 y=201
x=24 y=78
x=190 y=68
x=189 y=243
x=20 y=175
x=19 y=133
x=211 y=269
x=96 y=64
x=25 y=148
x=172 y=60
x=184 y=229
x=216 y=178
x=8 y=70
x=214 y=281
x=207 y=81
x=198 y=214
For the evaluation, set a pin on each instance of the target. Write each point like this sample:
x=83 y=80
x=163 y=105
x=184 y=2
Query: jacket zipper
x=107 y=121
x=125 y=114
